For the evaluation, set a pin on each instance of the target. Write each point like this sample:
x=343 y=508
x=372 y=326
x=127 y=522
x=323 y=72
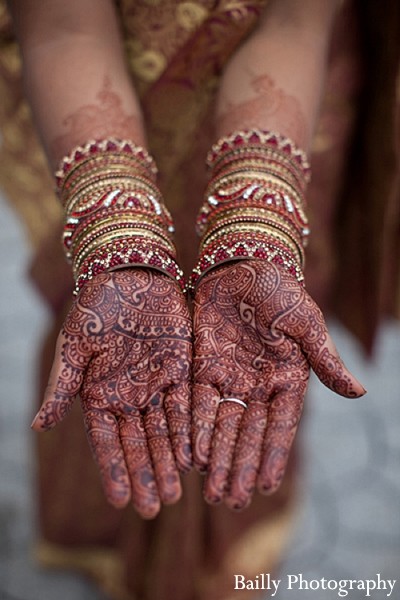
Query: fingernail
x=35 y=420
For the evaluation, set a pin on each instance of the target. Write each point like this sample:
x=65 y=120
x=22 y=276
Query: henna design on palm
x=257 y=333
x=125 y=348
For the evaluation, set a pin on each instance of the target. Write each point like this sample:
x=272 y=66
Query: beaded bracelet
x=254 y=203
x=129 y=253
x=114 y=213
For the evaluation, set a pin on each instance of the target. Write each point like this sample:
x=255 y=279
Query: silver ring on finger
x=236 y=400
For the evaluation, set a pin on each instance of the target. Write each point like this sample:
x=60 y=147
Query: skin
x=264 y=100
x=77 y=85
x=125 y=349
x=257 y=334
x=276 y=78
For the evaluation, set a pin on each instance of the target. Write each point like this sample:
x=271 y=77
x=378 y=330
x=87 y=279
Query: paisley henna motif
x=257 y=333
x=126 y=349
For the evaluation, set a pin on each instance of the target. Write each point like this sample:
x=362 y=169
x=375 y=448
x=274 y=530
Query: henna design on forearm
x=267 y=103
x=101 y=120
x=126 y=348
x=257 y=332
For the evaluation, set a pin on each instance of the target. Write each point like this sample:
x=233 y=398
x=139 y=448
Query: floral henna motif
x=267 y=102
x=126 y=349
x=257 y=333
x=101 y=119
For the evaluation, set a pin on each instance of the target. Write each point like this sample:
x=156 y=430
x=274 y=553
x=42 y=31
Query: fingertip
x=42 y=422
x=199 y=465
x=236 y=504
x=350 y=387
x=268 y=488
x=212 y=499
x=35 y=425
x=116 y=485
x=359 y=388
x=148 y=510
x=359 y=392
x=150 y=514
x=172 y=493
x=119 y=500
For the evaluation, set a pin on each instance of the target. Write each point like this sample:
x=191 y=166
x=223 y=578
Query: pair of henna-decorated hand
x=150 y=382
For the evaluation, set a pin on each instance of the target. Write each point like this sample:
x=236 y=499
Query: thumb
x=64 y=383
x=332 y=372
x=306 y=324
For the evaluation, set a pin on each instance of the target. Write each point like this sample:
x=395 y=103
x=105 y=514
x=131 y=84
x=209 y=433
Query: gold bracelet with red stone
x=249 y=229
x=120 y=235
x=263 y=167
x=245 y=172
x=89 y=200
x=97 y=187
x=129 y=252
x=107 y=221
x=245 y=245
x=261 y=197
x=112 y=204
x=265 y=153
x=245 y=142
x=246 y=186
x=99 y=149
x=268 y=223
x=254 y=205
x=118 y=231
x=240 y=180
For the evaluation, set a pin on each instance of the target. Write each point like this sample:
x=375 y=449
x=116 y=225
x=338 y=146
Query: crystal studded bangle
x=114 y=212
x=254 y=205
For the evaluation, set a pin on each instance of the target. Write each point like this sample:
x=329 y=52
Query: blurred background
x=348 y=522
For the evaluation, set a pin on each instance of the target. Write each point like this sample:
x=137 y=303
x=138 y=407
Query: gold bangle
x=250 y=228
x=119 y=235
x=115 y=222
x=128 y=229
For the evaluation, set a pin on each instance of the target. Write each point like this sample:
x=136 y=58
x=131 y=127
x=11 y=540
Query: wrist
x=114 y=213
x=255 y=203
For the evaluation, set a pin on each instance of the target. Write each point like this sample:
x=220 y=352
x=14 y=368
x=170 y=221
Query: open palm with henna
x=257 y=334
x=125 y=348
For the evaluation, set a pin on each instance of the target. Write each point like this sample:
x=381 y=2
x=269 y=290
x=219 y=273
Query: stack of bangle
x=254 y=204
x=114 y=212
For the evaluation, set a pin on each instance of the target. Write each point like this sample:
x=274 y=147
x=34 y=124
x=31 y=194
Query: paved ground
x=349 y=523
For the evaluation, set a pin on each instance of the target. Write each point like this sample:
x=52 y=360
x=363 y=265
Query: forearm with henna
x=275 y=80
x=75 y=74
